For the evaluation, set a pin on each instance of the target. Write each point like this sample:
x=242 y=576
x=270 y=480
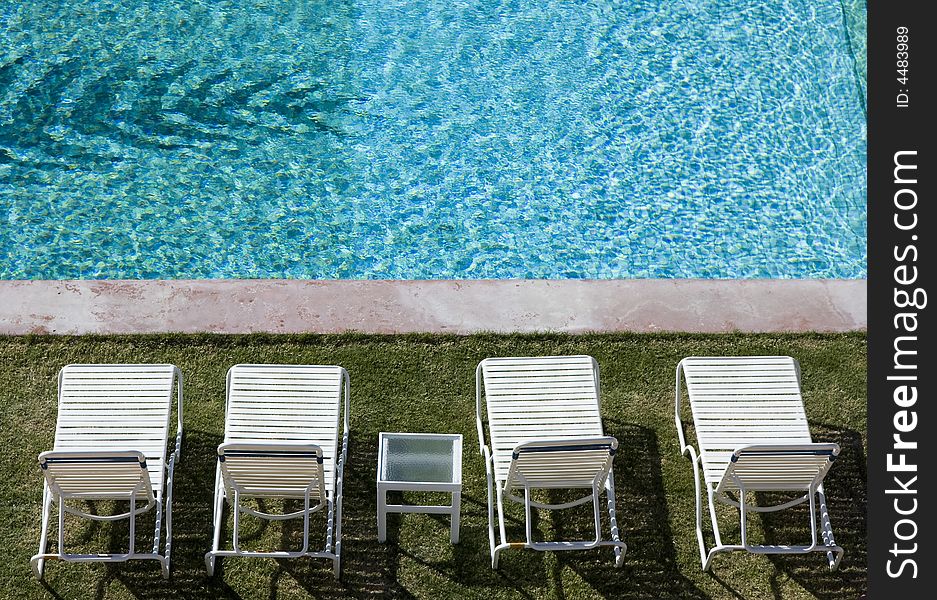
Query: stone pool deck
x=290 y=306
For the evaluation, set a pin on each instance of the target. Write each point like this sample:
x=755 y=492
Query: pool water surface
x=431 y=139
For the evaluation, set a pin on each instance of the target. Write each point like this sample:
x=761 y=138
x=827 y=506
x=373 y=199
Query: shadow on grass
x=192 y=522
x=650 y=569
x=520 y=570
x=370 y=569
x=845 y=487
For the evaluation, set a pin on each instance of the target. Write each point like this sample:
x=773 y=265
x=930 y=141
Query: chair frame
x=498 y=490
x=136 y=464
x=731 y=481
x=332 y=501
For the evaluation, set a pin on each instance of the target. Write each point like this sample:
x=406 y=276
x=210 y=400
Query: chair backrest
x=117 y=407
x=537 y=398
x=789 y=467
x=741 y=401
x=117 y=475
x=286 y=471
x=286 y=404
x=564 y=463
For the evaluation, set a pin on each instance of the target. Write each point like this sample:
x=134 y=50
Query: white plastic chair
x=546 y=433
x=111 y=442
x=752 y=436
x=281 y=441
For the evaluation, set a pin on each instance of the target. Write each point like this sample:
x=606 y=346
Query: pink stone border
x=290 y=306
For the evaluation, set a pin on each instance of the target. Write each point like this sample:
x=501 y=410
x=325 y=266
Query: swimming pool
x=431 y=139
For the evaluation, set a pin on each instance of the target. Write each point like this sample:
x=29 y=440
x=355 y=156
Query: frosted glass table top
x=420 y=458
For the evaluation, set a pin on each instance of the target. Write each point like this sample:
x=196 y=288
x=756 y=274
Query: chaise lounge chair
x=546 y=433
x=752 y=436
x=111 y=443
x=281 y=441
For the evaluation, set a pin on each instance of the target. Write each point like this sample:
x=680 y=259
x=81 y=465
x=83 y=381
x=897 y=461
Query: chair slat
x=741 y=401
x=536 y=397
x=286 y=403
x=117 y=407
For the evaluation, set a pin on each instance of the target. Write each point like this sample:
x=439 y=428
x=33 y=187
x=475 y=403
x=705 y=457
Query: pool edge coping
x=78 y=307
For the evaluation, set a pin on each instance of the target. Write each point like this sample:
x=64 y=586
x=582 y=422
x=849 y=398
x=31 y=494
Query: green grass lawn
x=426 y=383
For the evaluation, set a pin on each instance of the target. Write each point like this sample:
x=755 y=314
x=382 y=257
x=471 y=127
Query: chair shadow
x=369 y=569
x=518 y=570
x=650 y=569
x=845 y=487
x=193 y=491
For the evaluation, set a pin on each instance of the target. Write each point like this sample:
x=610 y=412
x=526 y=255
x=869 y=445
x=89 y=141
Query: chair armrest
x=778 y=467
x=178 y=449
x=681 y=435
x=479 y=427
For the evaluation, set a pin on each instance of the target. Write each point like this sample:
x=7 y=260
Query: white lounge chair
x=753 y=437
x=111 y=440
x=281 y=437
x=546 y=433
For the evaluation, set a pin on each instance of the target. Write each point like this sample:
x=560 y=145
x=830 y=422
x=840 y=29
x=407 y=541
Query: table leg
x=454 y=517
x=381 y=515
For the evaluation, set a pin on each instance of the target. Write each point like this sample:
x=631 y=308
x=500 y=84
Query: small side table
x=428 y=462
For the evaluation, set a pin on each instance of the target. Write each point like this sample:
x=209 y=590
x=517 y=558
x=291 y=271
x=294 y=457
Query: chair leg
x=496 y=553
x=826 y=529
x=210 y=558
x=743 y=516
x=597 y=513
x=133 y=521
x=168 y=498
x=335 y=525
x=337 y=561
x=813 y=518
x=613 y=518
x=708 y=557
x=712 y=515
x=157 y=527
x=528 y=516
x=491 y=514
x=306 y=522
x=704 y=557
x=237 y=521
x=61 y=525
x=38 y=564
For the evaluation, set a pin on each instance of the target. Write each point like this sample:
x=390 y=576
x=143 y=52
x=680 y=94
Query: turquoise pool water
x=412 y=139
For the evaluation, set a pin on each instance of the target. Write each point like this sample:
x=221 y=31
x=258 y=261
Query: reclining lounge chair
x=545 y=433
x=111 y=443
x=752 y=436
x=281 y=441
